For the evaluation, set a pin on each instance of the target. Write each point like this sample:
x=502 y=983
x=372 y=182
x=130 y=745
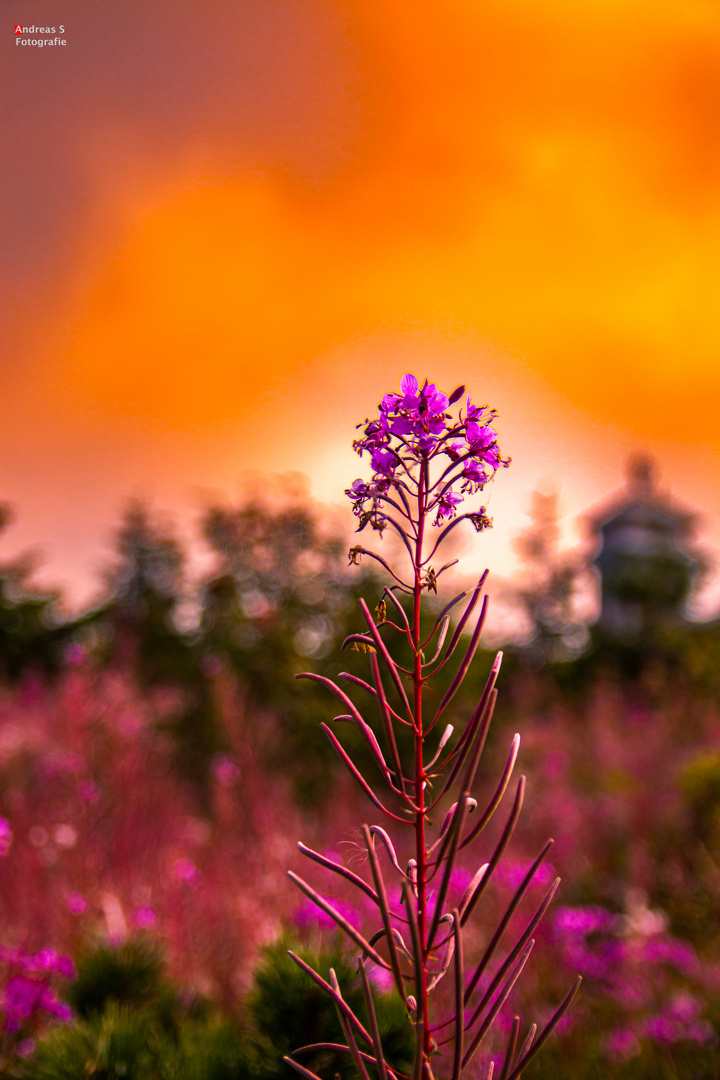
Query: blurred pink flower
x=226 y=771
x=512 y=873
x=76 y=903
x=6 y=835
x=185 y=870
x=622 y=1044
x=75 y=654
x=380 y=978
x=144 y=917
x=308 y=914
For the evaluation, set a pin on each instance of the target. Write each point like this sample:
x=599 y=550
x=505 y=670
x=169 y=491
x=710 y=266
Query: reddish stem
x=420 y=771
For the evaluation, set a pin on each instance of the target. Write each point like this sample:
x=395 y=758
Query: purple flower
x=473 y=413
x=21 y=997
x=412 y=430
x=389 y=403
x=358 y=489
x=6 y=835
x=27 y=992
x=474 y=475
x=429 y=400
x=425 y=442
x=422 y=410
x=49 y=962
x=44 y=961
x=433 y=400
x=402 y=425
x=479 y=438
x=446 y=506
x=384 y=462
x=491 y=457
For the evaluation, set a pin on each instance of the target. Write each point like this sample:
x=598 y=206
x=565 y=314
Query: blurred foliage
x=279 y=599
x=289 y=1010
x=547 y=589
x=131 y=975
x=660 y=582
x=694 y=911
x=685 y=657
x=701 y=786
x=115 y=1043
x=132 y=1022
x=280 y=602
x=141 y=625
x=124 y=1044
x=577 y=1055
x=32 y=635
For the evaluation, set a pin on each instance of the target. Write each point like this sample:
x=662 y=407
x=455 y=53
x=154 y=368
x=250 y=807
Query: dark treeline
x=279 y=598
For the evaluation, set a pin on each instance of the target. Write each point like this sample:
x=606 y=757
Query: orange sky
x=234 y=224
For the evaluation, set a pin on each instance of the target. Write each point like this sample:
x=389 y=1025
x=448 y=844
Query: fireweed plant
x=425 y=463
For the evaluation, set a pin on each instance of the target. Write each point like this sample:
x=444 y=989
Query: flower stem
x=420 y=855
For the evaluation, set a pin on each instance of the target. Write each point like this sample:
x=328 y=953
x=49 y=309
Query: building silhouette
x=645 y=560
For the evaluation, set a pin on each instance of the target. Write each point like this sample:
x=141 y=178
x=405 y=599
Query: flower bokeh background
x=228 y=224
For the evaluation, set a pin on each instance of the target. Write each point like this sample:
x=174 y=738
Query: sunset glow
x=260 y=215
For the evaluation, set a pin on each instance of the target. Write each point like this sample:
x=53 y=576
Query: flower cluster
x=414 y=429
x=28 y=998
x=656 y=983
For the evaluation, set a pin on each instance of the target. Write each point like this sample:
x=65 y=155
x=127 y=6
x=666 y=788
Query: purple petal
x=437 y=426
x=390 y=402
x=409 y=385
x=478 y=436
x=436 y=401
x=402 y=426
x=383 y=462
